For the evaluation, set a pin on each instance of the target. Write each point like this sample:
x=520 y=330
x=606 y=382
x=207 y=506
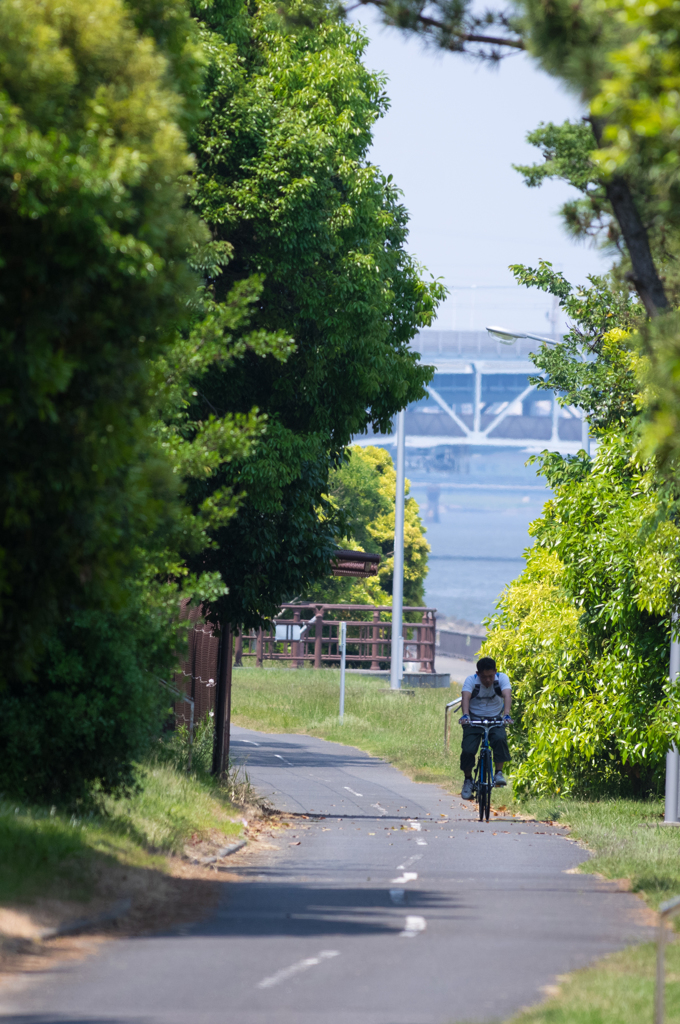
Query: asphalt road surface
x=396 y=907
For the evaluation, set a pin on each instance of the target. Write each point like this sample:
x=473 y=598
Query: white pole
x=343 y=656
x=397 y=651
x=673 y=756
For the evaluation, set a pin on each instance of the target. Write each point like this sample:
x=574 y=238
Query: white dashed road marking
x=353 y=791
x=379 y=808
x=415 y=825
x=282 y=758
x=408 y=876
x=421 y=842
x=414 y=926
x=301 y=965
x=411 y=860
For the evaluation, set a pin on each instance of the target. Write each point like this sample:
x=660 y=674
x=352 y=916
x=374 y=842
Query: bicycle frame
x=483 y=783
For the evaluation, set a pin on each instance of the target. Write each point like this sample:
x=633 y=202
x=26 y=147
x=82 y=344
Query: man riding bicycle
x=486 y=694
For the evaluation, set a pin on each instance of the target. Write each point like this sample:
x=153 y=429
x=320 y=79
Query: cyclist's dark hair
x=486 y=663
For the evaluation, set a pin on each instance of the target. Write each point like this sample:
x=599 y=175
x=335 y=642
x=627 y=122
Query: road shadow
x=271 y=909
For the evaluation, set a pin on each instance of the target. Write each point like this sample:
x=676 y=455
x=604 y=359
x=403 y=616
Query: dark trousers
x=472 y=737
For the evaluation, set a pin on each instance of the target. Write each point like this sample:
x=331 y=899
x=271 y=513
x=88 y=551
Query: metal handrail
x=447 y=724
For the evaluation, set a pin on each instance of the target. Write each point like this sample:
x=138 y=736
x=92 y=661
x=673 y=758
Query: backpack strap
x=496 y=686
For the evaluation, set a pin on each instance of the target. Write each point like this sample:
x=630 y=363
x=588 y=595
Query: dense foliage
x=584 y=631
x=284 y=182
x=178 y=382
x=95 y=100
x=364 y=489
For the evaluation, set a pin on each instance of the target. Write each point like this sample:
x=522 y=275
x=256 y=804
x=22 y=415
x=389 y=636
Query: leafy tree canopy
x=94 y=101
x=364 y=490
x=584 y=631
x=285 y=185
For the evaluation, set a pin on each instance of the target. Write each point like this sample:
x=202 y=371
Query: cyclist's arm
x=465 y=704
x=507 y=697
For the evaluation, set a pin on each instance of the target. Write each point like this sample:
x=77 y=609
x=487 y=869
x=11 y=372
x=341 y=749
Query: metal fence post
x=343 y=656
x=259 y=648
x=375 y=664
x=318 y=638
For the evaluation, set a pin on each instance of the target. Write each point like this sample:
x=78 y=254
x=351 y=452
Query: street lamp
x=509 y=338
x=397 y=648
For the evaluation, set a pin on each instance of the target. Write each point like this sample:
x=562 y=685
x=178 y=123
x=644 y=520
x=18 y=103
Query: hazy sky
x=450 y=137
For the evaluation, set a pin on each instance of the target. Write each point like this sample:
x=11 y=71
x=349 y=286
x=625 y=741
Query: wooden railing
x=369 y=637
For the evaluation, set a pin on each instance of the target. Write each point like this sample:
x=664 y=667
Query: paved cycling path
x=398 y=907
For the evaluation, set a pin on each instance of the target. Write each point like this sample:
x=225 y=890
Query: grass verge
x=616 y=990
x=625 y=838
x=406 y=730
x=57 y=866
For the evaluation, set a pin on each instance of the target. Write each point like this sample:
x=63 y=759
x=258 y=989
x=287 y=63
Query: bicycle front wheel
x=489 y=784
x=483 y=786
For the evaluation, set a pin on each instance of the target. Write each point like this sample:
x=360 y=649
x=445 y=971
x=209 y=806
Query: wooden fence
x=369 y=637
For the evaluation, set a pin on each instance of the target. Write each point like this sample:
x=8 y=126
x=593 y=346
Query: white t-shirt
x=487 y=704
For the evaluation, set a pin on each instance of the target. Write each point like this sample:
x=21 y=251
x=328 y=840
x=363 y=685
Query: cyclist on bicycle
x=486 y=694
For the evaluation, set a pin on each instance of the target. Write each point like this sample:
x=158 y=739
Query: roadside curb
x=221 y=853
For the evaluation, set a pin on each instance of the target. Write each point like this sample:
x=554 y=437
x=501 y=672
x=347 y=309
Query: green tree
x=364 y=489
x=584 y=631
x=94 y=101
x=284 y=182
x=621 y=59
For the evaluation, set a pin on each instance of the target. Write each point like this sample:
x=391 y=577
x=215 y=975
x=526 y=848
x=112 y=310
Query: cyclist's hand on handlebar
x=507 y=720
x=465 y=720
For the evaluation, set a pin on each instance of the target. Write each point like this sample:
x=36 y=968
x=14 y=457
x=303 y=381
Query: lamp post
x=509 y=338
x=397 y=649
x=673 y=756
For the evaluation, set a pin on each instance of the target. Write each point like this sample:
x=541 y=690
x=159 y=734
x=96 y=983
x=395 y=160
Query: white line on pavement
x=301 y=965
x=414 y=926
x=421 y=842
x=282 y=758
x=415 y=825
x=353 y=791
x=411 y=860
x=408 y=876
x=379 y=808
x=252 y=742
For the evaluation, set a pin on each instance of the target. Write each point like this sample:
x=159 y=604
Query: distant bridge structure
x=481 y=397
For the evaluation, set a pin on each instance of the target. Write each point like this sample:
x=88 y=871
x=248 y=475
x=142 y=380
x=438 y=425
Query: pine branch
x=450 y=36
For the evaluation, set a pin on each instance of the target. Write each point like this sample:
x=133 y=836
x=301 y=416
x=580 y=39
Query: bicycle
x=482 y=782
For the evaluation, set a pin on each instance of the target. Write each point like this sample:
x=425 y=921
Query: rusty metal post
x=318 y=637
x=220 y=765
x=296 y=644
x=426 y=664
x=375 y=664
x=434 y=638
x=259 y=648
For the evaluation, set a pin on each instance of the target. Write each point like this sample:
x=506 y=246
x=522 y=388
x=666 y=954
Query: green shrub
x=92 y=709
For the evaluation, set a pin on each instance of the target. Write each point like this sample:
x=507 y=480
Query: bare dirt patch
x=161 y=899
